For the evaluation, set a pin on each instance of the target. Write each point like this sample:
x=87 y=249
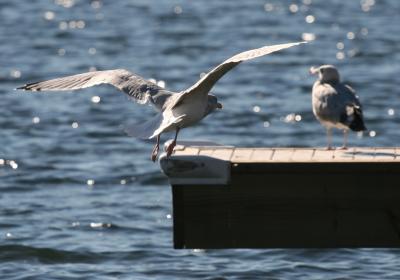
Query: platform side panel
x=291 y=209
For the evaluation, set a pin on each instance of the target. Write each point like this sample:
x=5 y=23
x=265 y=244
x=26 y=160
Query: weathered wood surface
x=247 y=155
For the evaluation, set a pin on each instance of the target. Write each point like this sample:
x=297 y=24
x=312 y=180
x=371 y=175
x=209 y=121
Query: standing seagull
x=175 y=110
x=335 y=104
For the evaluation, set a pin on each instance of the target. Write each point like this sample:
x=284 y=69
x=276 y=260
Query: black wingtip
x=30 y=87
x=20 y=88
x=358 y=122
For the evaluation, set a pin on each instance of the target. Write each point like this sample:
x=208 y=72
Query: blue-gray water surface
x=79 y=199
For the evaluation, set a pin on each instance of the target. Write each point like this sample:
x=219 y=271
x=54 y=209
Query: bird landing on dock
x=176 y=110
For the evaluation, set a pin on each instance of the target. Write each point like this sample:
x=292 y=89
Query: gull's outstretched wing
x=204 y=85
x=141 y=90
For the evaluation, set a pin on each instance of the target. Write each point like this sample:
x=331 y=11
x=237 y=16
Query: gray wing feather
x=141 y=90
x=204 y=85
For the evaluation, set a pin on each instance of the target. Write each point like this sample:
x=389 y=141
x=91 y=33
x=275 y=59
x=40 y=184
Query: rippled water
x=80 y=199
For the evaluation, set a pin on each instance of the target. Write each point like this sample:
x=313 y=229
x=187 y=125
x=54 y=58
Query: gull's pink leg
x=329 y=138
x=171 y=147
x=345 y=136
x=155 y=149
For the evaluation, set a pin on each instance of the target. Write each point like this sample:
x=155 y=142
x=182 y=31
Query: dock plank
x=384 y=154
x=283 y=154
x=364 y=154
x=262 y=154
x=321 y=154
x=241 y=155
x=303 y=155
x=223 y=153
x=192 y=151
x=206 y=152
x=341 y=155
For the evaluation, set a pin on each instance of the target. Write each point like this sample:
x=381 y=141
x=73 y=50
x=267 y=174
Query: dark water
x=81 y=200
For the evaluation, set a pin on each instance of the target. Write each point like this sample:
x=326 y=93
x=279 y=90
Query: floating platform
x=228 y=197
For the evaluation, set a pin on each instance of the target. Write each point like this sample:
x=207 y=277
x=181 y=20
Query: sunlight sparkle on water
x=65 y=3
x=80 y=24
x=90 y=182
x=2 y=161
x=13 y=164
x=308 y=37
x=178 y=10
x=372 y=133
x=49 y=15
x=96 y=4
x=100 y=225
x=63 y=25
x=36 y=120
x=293 y=8
x=75 y=224
x=291 y=118
x=340 y=45
x=390 y=111
x=350 y=35
x=366 y=5
x=340 y=55
x=95 y=99
x=310 y=19
x=256 y=109
x=75 y=125
x=15 y=73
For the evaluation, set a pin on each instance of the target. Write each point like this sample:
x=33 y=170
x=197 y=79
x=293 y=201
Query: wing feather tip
x=29 y=87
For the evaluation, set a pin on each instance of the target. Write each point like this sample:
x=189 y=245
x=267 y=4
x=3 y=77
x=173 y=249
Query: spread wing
x=141 y=90
x=204 y=85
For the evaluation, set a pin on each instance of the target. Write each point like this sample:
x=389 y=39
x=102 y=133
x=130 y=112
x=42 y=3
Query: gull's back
x=331 y=103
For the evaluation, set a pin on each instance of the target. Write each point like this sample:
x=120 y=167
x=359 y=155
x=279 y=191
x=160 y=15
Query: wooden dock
x=227 y=197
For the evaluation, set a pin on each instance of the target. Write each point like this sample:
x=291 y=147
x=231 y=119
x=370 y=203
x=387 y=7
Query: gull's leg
x=171 y=147
x=329 y=138
x=345 y=136
x=155 y=149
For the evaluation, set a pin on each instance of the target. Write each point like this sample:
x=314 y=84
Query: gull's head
x=326 y=73
x=213 y=104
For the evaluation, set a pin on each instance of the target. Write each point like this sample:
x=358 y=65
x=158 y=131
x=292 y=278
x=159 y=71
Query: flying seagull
x=335 y=104
x=175 y=110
